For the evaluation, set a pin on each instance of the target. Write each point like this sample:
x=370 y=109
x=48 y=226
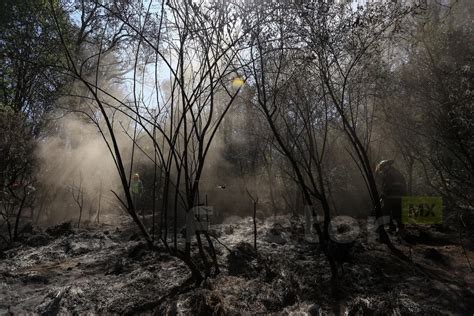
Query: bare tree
x=297 y=112
x=99 y=203
x=343 y=44
x=197 y=46
x=77 y=192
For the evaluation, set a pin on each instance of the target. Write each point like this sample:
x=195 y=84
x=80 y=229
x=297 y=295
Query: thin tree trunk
x=212 y=252
x=17 y=220
x=202 y=254
x=99 y=202
x=255 y=225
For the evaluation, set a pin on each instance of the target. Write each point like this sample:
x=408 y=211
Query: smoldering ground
x=101 y=270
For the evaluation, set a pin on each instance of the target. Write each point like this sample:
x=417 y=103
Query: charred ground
x=104 y=269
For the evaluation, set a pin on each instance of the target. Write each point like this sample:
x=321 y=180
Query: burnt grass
x=107 y=269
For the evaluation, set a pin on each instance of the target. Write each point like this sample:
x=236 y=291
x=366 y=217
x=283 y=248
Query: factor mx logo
x=422 y=210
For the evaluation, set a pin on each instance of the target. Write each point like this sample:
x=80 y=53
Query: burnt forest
x=237 y=157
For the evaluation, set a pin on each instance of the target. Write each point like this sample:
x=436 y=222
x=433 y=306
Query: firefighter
x=136 y=187
x=392 y=188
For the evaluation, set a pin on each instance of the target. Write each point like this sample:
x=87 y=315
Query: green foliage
x=30 y=53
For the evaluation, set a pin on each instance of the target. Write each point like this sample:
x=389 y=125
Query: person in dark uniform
x=392 y=188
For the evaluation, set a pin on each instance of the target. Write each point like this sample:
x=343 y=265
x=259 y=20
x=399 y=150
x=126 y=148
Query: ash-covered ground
x=108 y=269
